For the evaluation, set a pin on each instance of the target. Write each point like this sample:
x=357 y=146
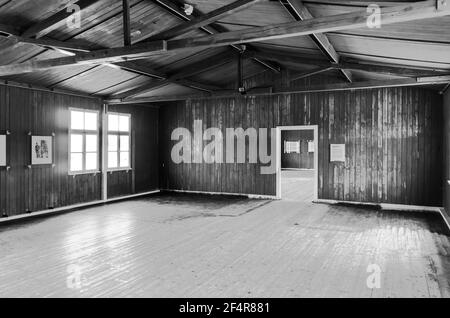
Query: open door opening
x=297 y=163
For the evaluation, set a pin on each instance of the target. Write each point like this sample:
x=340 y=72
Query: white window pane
x=112 y=159
x=124 y=159
x=76 y=143
x=112 y=143
x=90 y=121
x=113 y=122
x=124 y=143
x=91 y=143
x=91 y=161
x=124 y=123
x=76 y=162
x=76 y=120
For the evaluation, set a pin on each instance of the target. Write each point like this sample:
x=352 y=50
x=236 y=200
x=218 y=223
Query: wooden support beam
x=321 y=40
x=212 y=29
x=313 y=89
x=55 y=21
x=409 y=12
x=319 y=70
x=126 y=22
x=205 y=19
x=351 y=64
x=180 y=77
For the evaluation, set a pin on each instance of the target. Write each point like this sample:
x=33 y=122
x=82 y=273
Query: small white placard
x=337 y=152
x=2 y=150
x=310 y=146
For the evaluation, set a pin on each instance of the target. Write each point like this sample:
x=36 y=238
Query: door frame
x=315 y=128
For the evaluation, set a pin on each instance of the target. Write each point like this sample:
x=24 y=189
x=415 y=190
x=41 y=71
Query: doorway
x=297 y=163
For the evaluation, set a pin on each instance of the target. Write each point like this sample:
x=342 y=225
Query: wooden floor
x=297 y=185
x=205 y=246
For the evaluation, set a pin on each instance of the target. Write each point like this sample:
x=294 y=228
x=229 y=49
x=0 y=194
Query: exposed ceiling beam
x=321 y=40
x=205 y=19
x=409 y=12
x=14 y=37
x=126 y=22
x=180 y=77
x=171 y=7
x=53 y=22
x=313 y=89
x=351 y=64
x=316 y=71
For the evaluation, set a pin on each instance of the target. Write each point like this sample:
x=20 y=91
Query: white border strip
x=73 y=207
x=385 y=206
x=251 y=196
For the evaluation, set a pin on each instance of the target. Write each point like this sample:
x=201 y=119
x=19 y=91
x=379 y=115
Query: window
x=119 y=141
x=292 y=147
x=83 y=141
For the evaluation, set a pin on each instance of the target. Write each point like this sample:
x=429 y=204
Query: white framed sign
x=41 y=150
x=310 y=146
x=337 y=152
x=2 y=150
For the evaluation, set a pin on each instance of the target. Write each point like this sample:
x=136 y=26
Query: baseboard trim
x=72 y=207
x=250 y=196
x=384 y=206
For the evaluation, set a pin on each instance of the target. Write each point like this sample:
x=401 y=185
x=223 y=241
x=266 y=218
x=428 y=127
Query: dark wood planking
x=410 y=12
x=366 y=121
x=21 y=189
x=42 y=187
x=145 y=174
x=446 y=152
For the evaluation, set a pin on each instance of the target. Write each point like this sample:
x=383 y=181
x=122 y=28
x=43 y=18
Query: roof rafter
x=210 y=29
x=321 y=40
x=180 y=77
x=420 y=81
x=205 y=19
x=409 y=12
x=351 y=64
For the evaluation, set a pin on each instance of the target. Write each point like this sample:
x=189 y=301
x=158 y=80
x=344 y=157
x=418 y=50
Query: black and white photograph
x=225 y=155
x=41 y=150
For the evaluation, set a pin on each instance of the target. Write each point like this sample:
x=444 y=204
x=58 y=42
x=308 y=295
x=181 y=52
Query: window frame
x=84 y=132
x=118 y=134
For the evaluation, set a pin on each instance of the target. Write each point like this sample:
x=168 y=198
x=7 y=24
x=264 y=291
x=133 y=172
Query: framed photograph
x=2 y=150
x=41 y=150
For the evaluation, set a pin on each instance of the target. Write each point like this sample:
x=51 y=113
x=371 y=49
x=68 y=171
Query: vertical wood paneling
x=144 y=175
x=446 y=151
x=42 y=187
x=392 y=137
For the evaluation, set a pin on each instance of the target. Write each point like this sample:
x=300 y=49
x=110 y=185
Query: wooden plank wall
x=42 y=187
x=145 y=158
x=302 y=160
x=393 y=138
x=447 y=152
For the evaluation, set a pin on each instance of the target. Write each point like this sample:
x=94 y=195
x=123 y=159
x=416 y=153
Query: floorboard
x=177 y=245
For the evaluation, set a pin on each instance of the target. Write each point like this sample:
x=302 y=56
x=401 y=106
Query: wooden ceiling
x=202 y=50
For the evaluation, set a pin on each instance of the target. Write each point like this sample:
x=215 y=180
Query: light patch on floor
x=207 y=246
x=297 y=185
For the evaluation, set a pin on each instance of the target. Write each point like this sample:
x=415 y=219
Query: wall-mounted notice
x=2 y=150
x=310 y=146
x=337 y=152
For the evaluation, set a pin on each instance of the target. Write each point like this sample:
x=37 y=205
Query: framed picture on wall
x=41 y=150
x=2 y=150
